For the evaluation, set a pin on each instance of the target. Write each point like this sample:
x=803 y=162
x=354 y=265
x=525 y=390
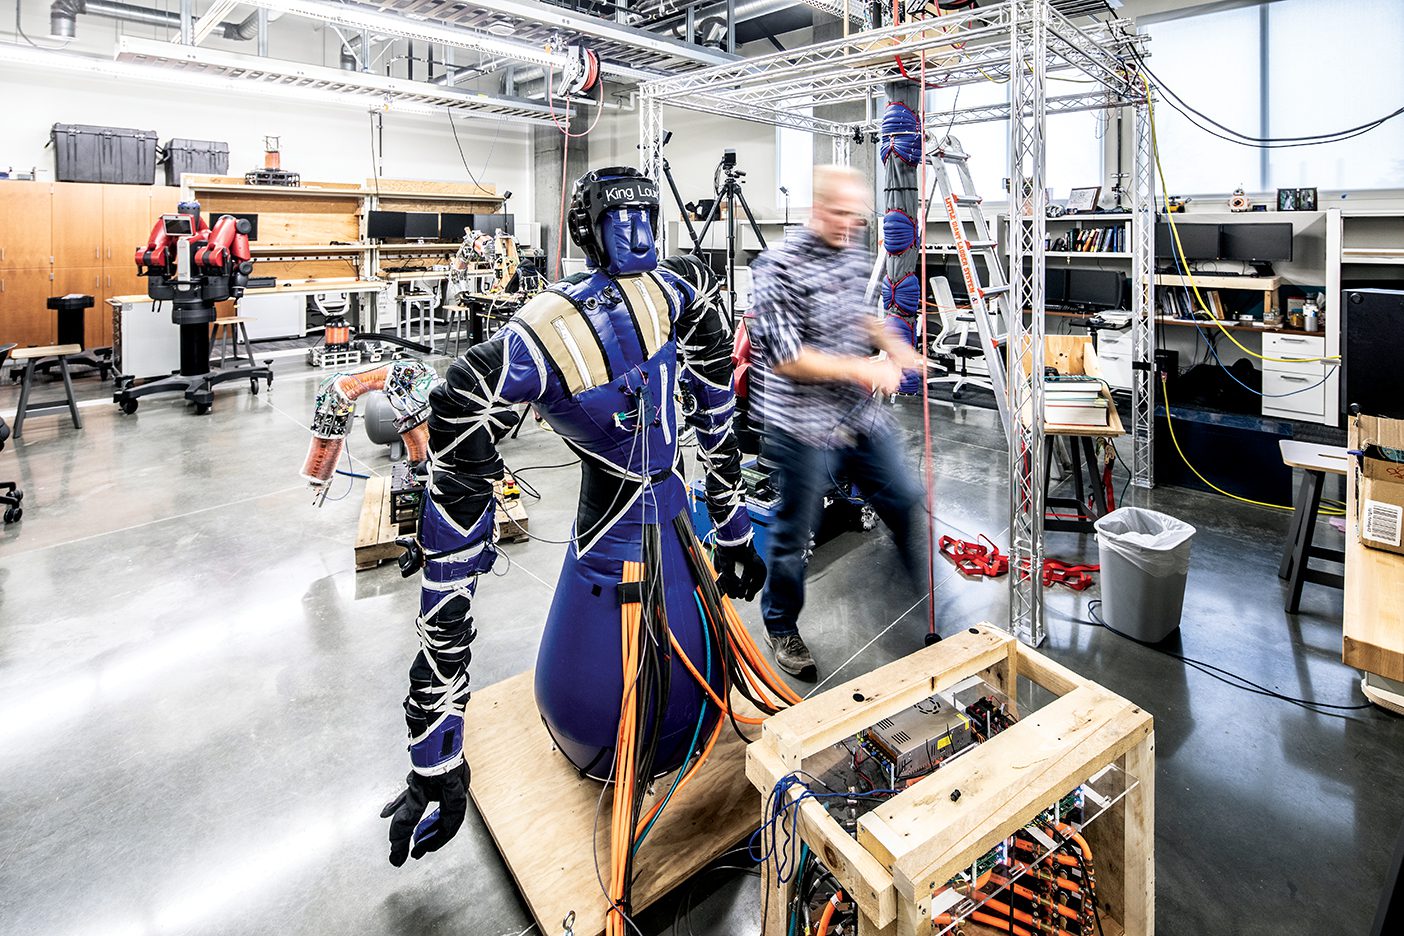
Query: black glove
x=449 y=790
x=740 y=570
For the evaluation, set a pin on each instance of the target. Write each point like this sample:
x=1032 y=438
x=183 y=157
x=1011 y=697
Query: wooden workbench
x=1372 y=619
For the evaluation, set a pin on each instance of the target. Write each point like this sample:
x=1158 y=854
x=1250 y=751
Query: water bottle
x=1310 y=315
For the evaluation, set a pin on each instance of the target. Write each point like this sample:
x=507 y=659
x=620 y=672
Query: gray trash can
x=1145 y=560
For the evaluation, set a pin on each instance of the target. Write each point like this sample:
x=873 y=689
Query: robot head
x=613 y=218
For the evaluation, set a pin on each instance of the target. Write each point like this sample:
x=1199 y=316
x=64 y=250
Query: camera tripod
x=729 y=193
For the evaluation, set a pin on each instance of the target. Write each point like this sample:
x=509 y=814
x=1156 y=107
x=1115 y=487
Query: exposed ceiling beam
x=571 y=21
x=209 y=22
x=405 y=27
x=276 y=75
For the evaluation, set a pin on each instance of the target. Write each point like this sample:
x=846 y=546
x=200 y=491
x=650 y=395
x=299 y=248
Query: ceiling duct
x=63 y=18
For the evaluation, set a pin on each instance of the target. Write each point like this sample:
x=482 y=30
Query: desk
x=1372 y=620
x=280 y=310
x=1316 y=462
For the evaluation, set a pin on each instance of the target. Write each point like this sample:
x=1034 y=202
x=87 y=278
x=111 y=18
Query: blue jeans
x=803 y=474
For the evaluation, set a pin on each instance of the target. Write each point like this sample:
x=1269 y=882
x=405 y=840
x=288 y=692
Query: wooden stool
x=226 y=332
x=31 y=357
x=1316 y=462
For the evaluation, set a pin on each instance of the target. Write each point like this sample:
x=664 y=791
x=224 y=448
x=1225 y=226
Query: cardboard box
x=1379 y=483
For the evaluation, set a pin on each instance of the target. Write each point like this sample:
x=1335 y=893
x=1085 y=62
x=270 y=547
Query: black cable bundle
x=712 y=602
x=653 y=683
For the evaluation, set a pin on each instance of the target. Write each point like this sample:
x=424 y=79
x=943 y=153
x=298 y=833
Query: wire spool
x=337 y=335
x=582 y=71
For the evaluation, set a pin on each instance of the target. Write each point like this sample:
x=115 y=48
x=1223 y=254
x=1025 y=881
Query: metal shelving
x=1024 y=42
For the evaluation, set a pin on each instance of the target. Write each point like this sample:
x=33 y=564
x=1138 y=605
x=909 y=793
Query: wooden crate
x=376 y=533
x=914 y=843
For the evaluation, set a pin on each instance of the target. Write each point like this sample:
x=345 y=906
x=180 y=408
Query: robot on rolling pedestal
x=192 y=266
x=641 y=644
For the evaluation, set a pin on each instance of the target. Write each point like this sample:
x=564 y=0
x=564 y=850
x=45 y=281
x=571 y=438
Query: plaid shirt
x=806 y=293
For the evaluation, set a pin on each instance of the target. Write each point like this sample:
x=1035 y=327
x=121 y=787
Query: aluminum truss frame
x=1027 y=42
x=1143 y=302
x=1028 y=139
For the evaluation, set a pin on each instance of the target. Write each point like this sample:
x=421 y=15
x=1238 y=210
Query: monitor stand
x=1261 y=268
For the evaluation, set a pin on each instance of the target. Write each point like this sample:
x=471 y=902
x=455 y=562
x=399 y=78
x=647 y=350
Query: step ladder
x=986 y=300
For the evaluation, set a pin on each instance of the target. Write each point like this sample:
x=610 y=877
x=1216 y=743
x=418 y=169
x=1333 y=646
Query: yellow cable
x=1170 y=424
x=1184 y=263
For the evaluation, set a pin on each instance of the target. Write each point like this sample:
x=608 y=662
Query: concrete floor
x=200 y=699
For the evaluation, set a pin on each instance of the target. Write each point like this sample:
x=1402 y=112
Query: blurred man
x=813 y=337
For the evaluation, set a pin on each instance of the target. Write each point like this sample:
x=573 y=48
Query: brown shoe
x=792 y=656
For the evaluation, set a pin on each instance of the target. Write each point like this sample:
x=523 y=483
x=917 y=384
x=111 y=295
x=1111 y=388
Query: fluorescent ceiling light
x=351 y=92
x=407 y=27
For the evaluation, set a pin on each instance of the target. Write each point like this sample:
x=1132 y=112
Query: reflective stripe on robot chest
x=648 y=305
x=568 y=341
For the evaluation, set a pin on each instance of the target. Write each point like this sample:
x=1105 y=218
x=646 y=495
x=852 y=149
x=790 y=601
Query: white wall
x=694 y=152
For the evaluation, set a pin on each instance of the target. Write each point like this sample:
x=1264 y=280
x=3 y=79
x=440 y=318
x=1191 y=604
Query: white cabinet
x=1294 y=385
x=280 y=315
x=145 y=342
x=1114 y=354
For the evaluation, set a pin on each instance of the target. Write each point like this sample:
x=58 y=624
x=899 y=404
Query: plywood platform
x=376 y=533
x=541 y=814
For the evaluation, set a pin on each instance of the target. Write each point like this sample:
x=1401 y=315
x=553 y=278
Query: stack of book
x=1181 y=304
x=1074 y=402
x=1111 y=239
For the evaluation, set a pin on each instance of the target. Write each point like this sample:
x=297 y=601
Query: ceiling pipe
x=63 y=18
x=710 y=29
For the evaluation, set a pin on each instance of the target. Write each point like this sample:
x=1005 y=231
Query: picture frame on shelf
x=1286 y=199
x=1083 y=199
x=1306 y=199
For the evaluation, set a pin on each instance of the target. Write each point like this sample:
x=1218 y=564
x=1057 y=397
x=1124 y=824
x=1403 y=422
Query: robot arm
x=406 y=384
x=705 y=344
x=456 y=423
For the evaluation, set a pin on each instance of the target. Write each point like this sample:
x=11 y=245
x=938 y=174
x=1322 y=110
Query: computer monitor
x=1256 y=243
x=178 y=225
x=453 y=224
x=420 y=225
x=243 y=216
x=1199 y=241
x=1097 y=289
x=381 y=225
x=490 y=224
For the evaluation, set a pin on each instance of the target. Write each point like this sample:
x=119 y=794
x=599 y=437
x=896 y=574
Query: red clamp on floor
x=1076 y=577
x=974 y=559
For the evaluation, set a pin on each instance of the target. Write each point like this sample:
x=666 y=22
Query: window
x=1212 y=62
x=1333 y=64
x=1074 y=141
x=1328 y=65
x=794 y=167
x=1075 y=146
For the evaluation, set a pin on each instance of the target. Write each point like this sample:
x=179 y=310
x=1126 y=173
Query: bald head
x=840 y=204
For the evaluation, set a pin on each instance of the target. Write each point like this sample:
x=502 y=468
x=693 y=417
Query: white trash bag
x=1147 y=539
x=1145 y=559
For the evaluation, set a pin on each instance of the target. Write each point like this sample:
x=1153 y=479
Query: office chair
x=959 y=340
x=10 y=494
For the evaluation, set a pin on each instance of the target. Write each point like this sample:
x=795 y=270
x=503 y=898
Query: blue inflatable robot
x=600 y=356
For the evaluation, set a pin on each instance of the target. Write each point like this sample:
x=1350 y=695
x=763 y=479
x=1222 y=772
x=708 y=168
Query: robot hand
x=740 y=570
x=449 y=790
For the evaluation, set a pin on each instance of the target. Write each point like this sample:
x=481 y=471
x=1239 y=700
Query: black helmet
x=602 y=190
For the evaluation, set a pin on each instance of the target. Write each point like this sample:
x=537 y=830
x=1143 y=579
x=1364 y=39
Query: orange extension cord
x=759 y=676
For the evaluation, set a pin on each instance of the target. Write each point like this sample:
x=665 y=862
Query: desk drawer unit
x=1294 y=389
x=1114 y=354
